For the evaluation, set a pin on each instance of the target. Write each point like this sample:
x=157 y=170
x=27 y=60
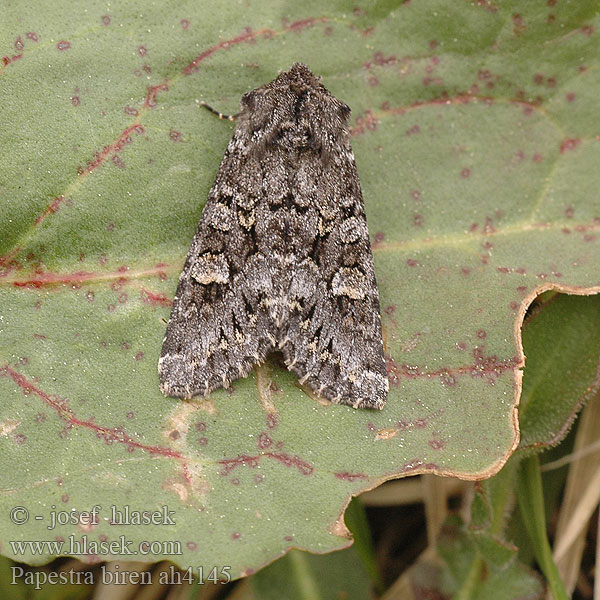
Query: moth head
x=295 y=103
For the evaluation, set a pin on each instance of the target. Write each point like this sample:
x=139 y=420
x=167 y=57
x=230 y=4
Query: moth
x=281 y=260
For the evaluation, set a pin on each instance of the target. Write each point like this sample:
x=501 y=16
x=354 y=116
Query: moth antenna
x=221 y=116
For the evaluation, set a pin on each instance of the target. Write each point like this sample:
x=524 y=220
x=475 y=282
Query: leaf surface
x=474 y=133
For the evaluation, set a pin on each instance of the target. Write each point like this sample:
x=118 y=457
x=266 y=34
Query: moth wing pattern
x=217 y=331
x=333 y=338
x=281 y=259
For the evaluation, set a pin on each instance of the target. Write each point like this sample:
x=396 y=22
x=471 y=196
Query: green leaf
x=481 y=510
x=358 y=524
x=563 y=368
x=349 y=573
x=494 y=552
x=515 y=583
x=499 y=497
x=306 y=576
x=467 y=573
x=473 y=138
x=10 y=586
x=475 y=560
